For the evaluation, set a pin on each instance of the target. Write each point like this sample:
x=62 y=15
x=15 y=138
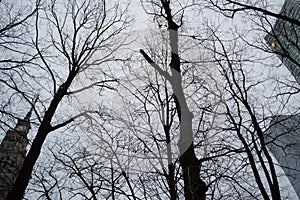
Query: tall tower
x=12 y=153
x=284 y=143
x=284 y=38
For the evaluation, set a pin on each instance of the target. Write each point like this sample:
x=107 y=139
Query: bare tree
x=248 y=114
x=123 y=146
x=238 y=89
x=194 y=186
x=79 y=38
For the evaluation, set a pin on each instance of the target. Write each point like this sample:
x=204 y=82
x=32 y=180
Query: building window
x=4 y=161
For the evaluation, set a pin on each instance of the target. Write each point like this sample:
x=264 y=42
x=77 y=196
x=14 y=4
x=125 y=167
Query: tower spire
x=28 y=115
x=13 y=152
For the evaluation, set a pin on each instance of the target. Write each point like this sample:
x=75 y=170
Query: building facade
x=284 y=38
x=12 y=154
x=283 y=140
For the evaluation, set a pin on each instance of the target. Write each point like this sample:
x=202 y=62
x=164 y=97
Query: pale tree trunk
x=194 y=187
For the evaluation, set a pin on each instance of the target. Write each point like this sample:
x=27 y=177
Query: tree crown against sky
x=108 y=152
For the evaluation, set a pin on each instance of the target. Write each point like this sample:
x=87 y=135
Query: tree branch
x=261 y=10
x=70 y=120
x=155 y=66
x=99 y=83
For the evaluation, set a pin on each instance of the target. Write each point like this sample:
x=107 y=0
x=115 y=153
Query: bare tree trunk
x=171 y=166
x=194 y=187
